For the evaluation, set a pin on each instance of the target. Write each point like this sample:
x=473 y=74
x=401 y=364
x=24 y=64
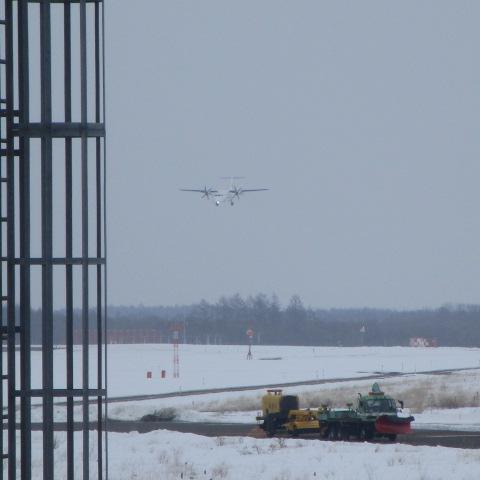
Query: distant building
x=423 y=342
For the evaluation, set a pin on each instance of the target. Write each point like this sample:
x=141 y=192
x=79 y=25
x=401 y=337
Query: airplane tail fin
x=232 y=179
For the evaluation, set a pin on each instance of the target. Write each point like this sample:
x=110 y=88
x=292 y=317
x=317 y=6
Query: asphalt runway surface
x=444 y=438
x=441 y=438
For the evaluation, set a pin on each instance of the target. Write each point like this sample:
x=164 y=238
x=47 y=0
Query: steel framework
x=52 y=238
x=176 y=357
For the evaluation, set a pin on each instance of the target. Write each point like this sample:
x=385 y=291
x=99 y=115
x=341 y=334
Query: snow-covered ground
x=423 y=393
x=223 y=366
x=420 y=392
x=163 y=454
x=467 y=419
x=217 y=366
x=172 y=455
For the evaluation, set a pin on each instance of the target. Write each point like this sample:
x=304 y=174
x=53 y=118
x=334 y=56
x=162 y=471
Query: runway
x=441 y=438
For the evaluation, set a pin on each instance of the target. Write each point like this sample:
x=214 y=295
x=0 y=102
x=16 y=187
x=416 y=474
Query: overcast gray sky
x=362 y=117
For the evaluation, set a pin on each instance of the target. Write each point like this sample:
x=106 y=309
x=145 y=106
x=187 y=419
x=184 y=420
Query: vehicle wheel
x=332 y=433
x=269 y=429
x=369 y=434
x=294 y=432
x=392 y=437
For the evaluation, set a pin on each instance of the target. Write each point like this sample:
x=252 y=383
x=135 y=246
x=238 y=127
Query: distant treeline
x=226 y=322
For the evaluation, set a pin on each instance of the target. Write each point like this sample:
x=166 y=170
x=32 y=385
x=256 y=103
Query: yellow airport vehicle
x=275 y=410
x=302 y=421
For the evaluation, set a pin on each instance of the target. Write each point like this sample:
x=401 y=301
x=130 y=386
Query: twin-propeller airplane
x=228 y=195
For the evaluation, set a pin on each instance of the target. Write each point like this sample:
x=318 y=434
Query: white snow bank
x=168 y=455
x=466 y=419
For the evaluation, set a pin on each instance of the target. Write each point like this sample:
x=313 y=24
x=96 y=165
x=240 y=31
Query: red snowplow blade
x=392 y=425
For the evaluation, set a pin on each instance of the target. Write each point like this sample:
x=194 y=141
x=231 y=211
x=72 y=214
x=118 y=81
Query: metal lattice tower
x=176 y=358
x=52 y=239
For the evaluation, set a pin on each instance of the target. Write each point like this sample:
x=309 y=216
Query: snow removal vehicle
x=375 y=416
x=384 y=408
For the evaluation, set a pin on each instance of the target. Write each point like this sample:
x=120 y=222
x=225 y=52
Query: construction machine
x=375 y=415
x=276 y=409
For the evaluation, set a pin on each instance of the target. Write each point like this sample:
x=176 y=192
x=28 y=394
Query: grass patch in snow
x=419 y=393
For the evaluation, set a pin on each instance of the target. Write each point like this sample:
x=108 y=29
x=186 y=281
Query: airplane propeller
x=206 y=192
x=236 y=191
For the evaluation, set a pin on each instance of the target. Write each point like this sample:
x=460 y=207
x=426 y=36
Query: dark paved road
x=418 y=437
x=443 y=438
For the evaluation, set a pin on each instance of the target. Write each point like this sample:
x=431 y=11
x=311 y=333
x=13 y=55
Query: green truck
x=374 y=416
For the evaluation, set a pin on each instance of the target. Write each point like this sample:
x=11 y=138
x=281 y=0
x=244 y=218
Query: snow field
x=421 y=393
x=168 y=455
x=217 y=366
x=437 y=401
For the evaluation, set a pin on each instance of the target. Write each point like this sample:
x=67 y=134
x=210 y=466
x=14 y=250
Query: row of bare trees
x=227 y=320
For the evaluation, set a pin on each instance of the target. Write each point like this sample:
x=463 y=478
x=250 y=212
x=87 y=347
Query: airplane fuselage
x=223 y=197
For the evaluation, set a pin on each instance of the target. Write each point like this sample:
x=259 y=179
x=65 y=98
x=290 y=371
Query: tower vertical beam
x=10 y=198
x=24 y=207
x=85 y=290
x=98 y=187
x=68 y=235
x=101 y=86
x=3 y=135
x=47 y=245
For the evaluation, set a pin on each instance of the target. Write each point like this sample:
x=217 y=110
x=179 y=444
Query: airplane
x=224 y=196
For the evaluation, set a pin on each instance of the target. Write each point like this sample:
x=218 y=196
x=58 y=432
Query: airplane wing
x=243 y=190
x=199 y=191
